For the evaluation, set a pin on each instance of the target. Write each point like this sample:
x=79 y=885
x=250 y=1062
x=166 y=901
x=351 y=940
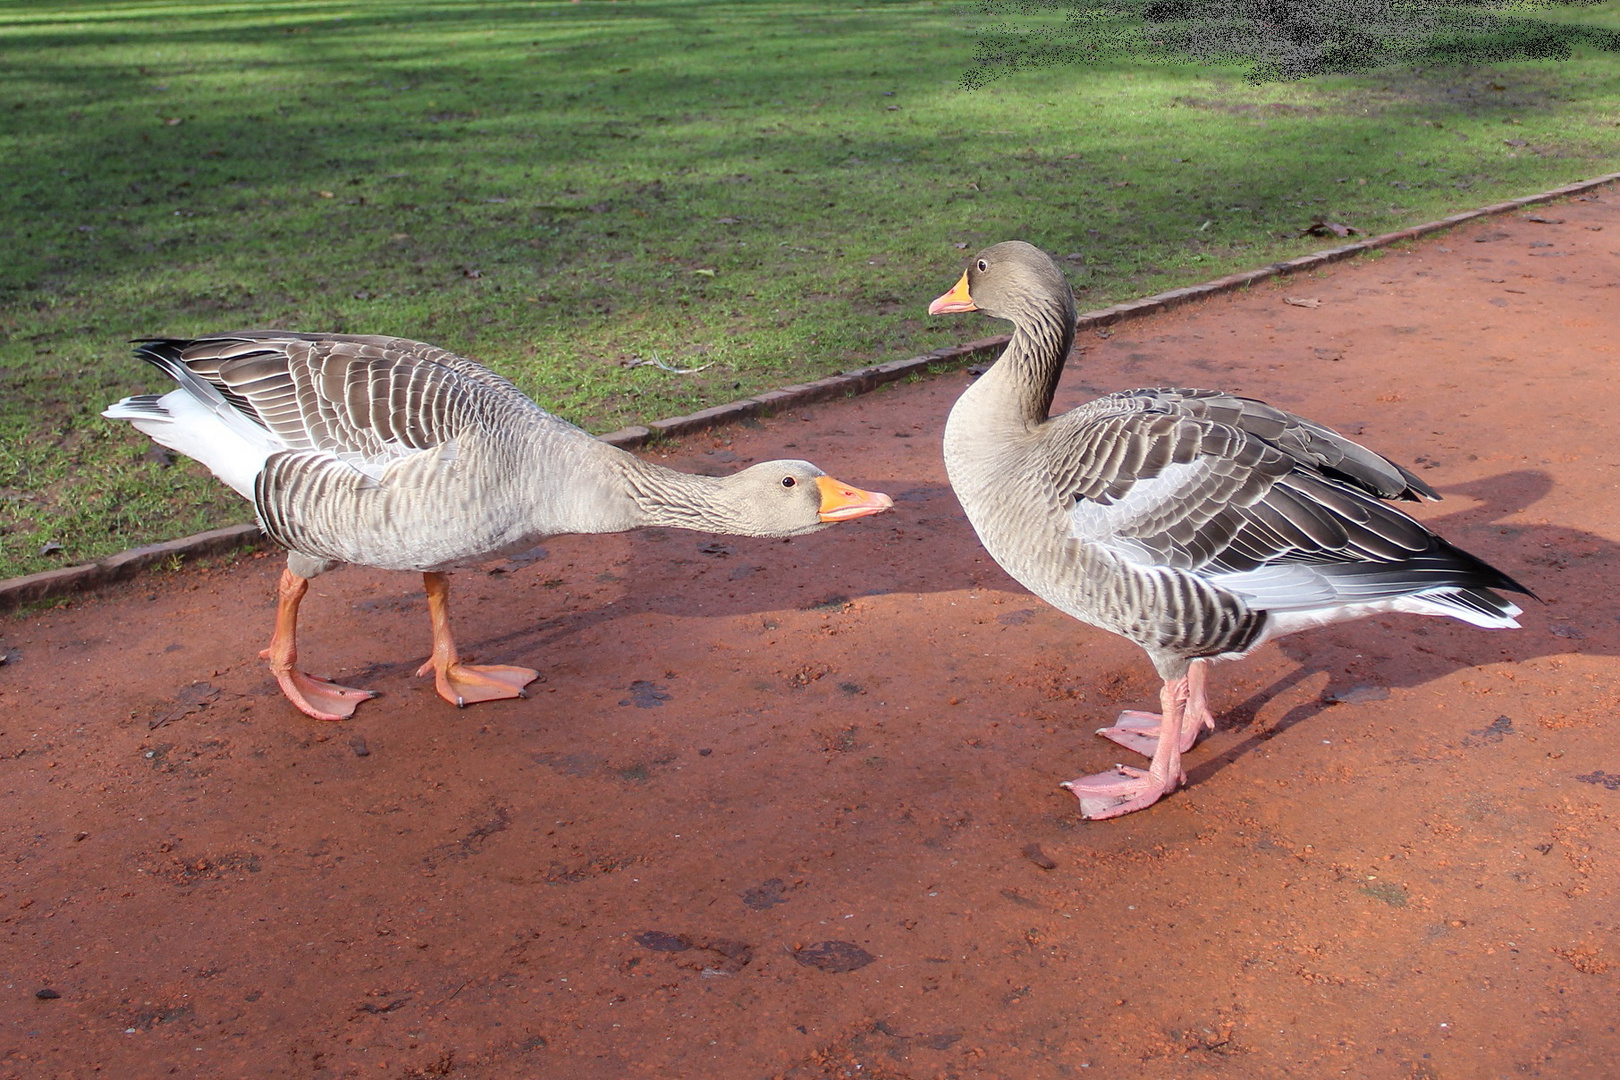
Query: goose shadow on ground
x=926 y=546
x=1409 y=651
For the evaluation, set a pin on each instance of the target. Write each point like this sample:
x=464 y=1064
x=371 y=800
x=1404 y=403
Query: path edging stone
x=50 y=584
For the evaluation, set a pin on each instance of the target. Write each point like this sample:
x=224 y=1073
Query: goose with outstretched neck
x=400 y=455
x=1194 y=523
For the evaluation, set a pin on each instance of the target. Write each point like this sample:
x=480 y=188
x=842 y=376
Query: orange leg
x=314 y=696
x=464 y=684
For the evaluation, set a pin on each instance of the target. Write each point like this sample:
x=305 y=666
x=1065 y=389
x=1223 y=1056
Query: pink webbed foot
x=318 y=698
x=1164 y=737
x=1121 y=791
x=1139 y=731
x=467 y=684
x=464 y=684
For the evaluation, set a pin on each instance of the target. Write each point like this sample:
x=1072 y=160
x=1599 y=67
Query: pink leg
x=1124 y=789
x=1139 y=731
x=314 y=696
x=464 y=684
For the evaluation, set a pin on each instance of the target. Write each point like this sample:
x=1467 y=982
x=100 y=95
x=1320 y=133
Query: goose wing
x=1281 y=511
x=366 y=400
x=1306 y=441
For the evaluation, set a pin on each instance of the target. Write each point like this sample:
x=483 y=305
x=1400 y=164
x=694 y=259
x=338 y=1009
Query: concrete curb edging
x=859 y=381
x=50 y=584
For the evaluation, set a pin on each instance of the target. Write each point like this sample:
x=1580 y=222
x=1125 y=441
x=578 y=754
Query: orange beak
x=955 y=300
x=840 y=502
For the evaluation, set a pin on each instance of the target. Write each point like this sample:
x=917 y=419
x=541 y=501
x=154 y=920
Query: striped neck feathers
x=1032 y=363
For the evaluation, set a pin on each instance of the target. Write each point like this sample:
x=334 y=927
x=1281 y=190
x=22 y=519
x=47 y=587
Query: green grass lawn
x=773 y=188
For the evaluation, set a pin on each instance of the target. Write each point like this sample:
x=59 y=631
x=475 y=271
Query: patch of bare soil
x=790 y=809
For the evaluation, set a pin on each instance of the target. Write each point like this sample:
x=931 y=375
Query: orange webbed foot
x=467 y=684
x=321 y=698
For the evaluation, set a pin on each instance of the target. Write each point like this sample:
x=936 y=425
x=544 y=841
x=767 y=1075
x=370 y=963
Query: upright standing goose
x=400 y=455
x=1194 y=523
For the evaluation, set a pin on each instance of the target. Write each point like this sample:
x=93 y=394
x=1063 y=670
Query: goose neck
x=670 y=499
x=1034 y=357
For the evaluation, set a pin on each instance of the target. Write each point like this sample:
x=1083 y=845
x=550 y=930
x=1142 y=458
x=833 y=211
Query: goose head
x=790 y=498
x=1012 y=280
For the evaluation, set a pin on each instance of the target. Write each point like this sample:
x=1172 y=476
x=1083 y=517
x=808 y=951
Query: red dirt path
x=791 y=808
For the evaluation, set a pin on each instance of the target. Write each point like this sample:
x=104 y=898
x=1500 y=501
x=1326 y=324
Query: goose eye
x=788 y=481
x=983 y=266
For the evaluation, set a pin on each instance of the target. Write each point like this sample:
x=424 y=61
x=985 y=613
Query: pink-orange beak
x=840 y=502
x=955 y=300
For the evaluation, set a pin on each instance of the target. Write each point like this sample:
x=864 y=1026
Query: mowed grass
x=774 y=189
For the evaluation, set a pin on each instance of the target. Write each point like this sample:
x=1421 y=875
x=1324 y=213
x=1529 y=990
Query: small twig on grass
x=656 y=362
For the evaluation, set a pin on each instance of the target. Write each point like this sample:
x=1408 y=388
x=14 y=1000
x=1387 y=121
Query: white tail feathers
x=233 y=447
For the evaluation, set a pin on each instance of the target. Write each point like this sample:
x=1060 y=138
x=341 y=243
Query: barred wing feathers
x=1283 y=513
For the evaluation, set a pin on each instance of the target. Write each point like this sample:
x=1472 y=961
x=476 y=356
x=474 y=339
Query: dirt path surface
x=790 y=809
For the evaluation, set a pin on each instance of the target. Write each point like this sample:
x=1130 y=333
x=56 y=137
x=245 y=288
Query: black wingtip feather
x=163 y=354
x=1475 y=572
x=1415 y=488
x=168 y=355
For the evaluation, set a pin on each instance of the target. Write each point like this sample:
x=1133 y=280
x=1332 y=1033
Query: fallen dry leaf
x=1299 y=302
